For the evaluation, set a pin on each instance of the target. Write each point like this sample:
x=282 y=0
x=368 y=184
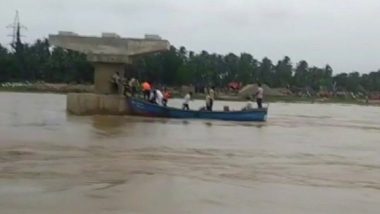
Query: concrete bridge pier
x=108 y=54
x=103 y=75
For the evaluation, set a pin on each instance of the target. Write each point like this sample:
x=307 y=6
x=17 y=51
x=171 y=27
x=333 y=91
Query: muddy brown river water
x=307 y=158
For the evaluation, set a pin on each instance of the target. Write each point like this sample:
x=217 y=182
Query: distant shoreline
x=68 y=88
x=49 y=88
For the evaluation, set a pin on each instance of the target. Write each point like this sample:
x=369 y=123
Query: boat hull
x=143 y=108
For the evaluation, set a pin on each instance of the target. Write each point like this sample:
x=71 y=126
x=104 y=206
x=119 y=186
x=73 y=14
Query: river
x=307 y=158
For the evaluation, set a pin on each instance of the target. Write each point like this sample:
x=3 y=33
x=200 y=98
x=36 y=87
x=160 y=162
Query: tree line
x=178 y=66
x=38 y=62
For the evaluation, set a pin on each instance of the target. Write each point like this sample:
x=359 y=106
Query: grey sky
x=342 y=33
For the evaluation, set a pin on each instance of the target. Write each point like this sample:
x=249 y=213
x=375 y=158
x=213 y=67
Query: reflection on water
x=307 y=158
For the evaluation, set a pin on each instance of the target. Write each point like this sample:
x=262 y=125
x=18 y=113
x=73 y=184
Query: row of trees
x=38 y=62
x=179 y=66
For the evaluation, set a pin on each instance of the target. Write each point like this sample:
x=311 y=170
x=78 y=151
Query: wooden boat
x=143 y=108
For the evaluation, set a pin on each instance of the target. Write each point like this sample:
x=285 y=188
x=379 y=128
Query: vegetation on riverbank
x=38 y=62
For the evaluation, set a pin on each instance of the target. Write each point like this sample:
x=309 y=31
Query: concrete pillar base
x=90 y=104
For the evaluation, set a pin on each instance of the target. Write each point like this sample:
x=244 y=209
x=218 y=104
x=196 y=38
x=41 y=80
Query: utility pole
x=16 y=27
x=18 y=48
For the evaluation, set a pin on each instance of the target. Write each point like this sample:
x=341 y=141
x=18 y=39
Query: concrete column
x=103 y=76
x=109 y=54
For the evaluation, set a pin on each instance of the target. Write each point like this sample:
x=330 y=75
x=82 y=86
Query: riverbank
x=60 y=88
x=176 y=93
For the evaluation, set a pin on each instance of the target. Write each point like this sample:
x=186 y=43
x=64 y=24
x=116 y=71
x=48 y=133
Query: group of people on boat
x=161 y=97
x=210 y=97
x=122 y=85
x=132 y=87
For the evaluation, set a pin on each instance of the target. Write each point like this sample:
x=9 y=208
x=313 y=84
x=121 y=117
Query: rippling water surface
x=307 y=158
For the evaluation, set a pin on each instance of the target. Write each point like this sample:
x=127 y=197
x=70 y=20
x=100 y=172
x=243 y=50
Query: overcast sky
x=342 y=33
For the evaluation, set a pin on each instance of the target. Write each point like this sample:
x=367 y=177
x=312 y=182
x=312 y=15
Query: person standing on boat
x=132 y=86
x=185 y=105
x=152 y=96
x=166 y=97
x=259 y=96
x=208 y=102
x=146 y=88
x=211 y=93
x=156 y=97
x=159 y=97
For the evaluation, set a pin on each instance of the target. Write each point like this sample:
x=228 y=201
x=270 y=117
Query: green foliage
x=38 y=62
x=283 y=73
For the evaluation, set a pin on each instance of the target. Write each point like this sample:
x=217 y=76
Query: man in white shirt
x=259 y=96
x=185 y=105
x=156 y=97
x=211 y=93
x=159 y=97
